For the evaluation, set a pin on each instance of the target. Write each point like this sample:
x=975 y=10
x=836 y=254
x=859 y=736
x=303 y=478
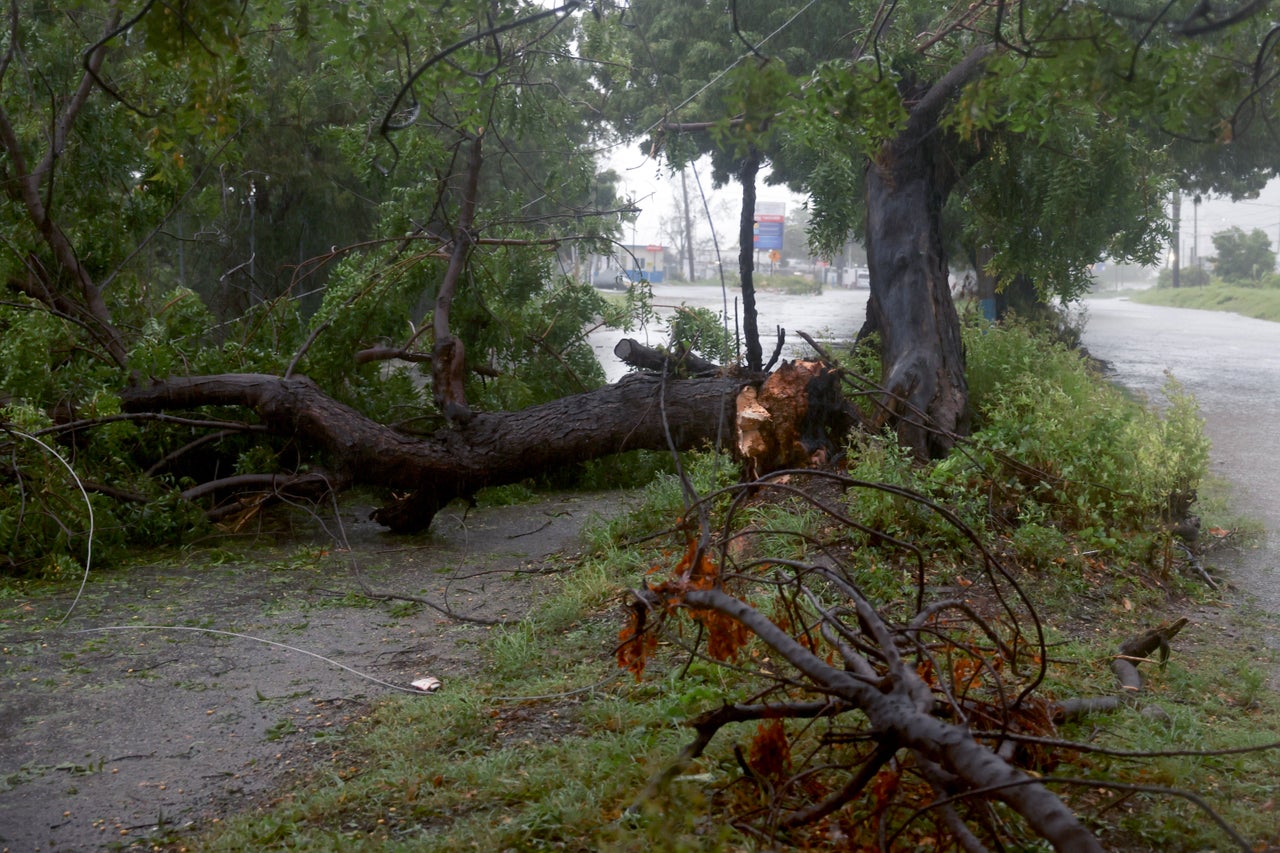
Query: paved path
x=1232 y=365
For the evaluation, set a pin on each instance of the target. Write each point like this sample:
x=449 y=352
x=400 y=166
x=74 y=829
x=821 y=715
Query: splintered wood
x=783 y=424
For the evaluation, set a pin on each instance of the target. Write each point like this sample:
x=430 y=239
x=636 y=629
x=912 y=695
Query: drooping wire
x=88 y=555
x=732 y=65
x=262 y=640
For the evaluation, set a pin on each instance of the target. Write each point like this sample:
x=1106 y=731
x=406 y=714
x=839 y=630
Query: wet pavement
x=1232 y=365
x=836 y=314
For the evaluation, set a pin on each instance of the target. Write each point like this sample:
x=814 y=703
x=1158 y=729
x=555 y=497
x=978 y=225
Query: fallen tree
x=642 y=412
x=784 y=419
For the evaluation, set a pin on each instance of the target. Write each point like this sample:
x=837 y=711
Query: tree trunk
x=686 y=216
x=922 y=358
x=640 y=412
x=746 y=259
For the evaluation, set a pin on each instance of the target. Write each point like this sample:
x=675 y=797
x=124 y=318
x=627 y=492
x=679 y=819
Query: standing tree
x=1025 y=117
x=678 y=226
x=1243 y=257
x=698 y=81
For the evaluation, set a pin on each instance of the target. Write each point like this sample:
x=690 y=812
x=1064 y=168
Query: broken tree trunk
x=795 y=419
x=680 y=363
x=640 y=412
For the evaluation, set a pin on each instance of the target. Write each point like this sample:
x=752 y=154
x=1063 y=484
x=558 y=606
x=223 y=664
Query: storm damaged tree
x=895 y=725
x=476 y=137
x=483 y=168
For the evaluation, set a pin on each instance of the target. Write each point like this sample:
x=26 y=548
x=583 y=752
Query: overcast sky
x=1220 y=214
x=653 y=188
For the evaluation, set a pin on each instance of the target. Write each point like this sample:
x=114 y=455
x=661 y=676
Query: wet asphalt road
x=1232 y=365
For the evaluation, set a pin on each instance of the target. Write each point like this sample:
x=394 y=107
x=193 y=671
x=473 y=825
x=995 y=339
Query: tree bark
x=922 y=360
x=680 y=363
x=922 y=357
x=640 y=412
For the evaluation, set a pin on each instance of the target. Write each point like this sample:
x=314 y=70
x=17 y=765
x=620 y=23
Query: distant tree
x=678 y=226
x=1243 y=257
x=694 y=78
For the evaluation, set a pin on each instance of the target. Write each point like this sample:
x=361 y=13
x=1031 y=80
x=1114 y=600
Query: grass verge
x=550 y=743
x=1259 y=303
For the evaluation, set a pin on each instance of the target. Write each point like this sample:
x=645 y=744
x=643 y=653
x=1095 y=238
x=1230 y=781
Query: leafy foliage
x=228 y=206
x=1090 y=461
x=1079 y=493
x=702 y=331
x=1065 y=146
x=1243 y=257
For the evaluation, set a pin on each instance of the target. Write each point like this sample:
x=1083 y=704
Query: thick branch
x=494 y=448
x=636 y=354
x=924 y=114
x=895 y=716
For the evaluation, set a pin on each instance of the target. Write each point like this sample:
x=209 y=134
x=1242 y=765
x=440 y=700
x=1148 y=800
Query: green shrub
x=1094 y=460
x=702 y=331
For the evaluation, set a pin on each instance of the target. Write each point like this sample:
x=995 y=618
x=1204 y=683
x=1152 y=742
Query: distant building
x=628 y=264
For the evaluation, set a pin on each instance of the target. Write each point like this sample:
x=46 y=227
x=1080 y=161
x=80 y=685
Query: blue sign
x=768 y=232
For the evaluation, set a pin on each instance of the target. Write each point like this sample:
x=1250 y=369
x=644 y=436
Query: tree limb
x=895 y=715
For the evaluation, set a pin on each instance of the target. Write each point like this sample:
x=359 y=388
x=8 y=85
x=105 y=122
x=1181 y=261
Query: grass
x=1259 y=303
x=547 y=745
x=797 y=285
x=489 y=765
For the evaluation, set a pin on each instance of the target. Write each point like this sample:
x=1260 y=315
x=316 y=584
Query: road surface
x=1232 y=365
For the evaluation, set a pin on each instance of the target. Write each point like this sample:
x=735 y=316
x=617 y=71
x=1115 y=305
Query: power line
x=732 y=65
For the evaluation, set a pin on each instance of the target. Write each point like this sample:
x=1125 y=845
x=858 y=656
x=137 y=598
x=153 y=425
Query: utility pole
x=1177 y=233
x=1195 y=233
x=686 y=215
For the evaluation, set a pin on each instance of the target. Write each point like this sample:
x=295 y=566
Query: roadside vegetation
x=1070 y=483
x=1242 y=279
x=1259 y=303
x=276 y=251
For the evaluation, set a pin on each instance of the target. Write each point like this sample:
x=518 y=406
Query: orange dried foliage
x=635 y=645
x=925 y=670
x=770 y=754
x=883 y=789
x=698 y=571
x=696 y=568
x=966 y=674
x=726 y=636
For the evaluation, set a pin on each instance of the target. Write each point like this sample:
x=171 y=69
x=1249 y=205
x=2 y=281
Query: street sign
x=770 y=217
